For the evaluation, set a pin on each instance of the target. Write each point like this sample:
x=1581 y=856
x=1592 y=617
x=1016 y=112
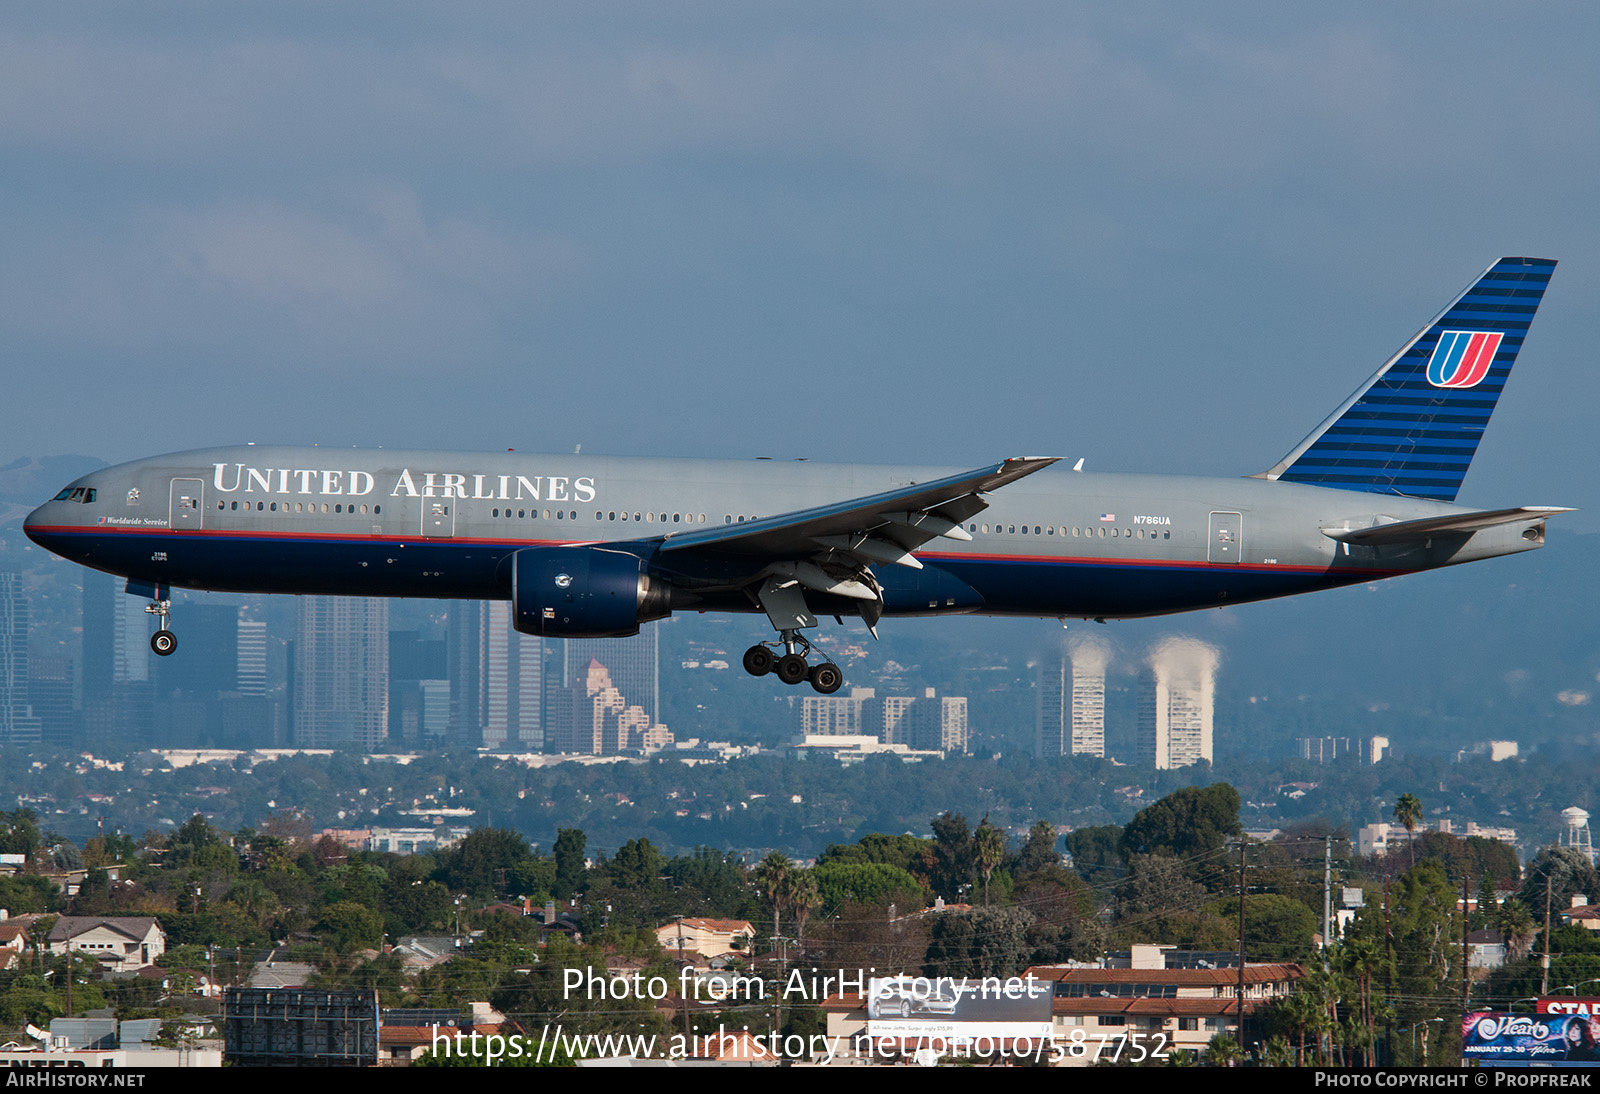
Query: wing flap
x=907 y=517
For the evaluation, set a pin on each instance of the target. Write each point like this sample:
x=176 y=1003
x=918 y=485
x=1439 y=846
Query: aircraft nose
x=32 y=524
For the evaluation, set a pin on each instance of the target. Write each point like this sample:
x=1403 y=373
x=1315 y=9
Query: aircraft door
x=184 y=504
x=439 y=517
x=1227 y=538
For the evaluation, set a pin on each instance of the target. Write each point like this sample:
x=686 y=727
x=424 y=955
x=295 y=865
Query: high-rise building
x=1072 y=703
x=464 y=670
x=593 y=717
x=512 y=681
x=841 y=715
x=1088 y=726
x=51 y=685
x=341 y=671
x=18 y=723
x=933 y=723
x=632 y=662
x=1176 y=704
x=117 y=691
x=252 y=664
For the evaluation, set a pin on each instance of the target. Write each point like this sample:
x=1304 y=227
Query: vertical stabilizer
x=1414 y=427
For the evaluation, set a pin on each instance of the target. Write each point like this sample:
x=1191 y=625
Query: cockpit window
x=81 y=494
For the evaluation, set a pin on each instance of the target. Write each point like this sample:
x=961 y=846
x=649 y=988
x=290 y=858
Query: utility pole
x=1327 y=894
x=1464 y=950
x=1241 y=944
x=1544 y=977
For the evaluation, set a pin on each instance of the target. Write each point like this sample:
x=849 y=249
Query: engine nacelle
x=583 y=592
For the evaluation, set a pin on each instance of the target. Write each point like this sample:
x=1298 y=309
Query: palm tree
x=1361 y=959
x=771 y=877
x=1222 y=1051
x=990 y=844
x=1517 y=928
x=1408 y=811
x=803 y=900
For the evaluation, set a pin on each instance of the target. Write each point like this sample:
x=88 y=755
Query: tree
x=347 y=926
x=1408 y=812
x=479 y=863
x=773 y=878
x=803 y=900
x=1567 y=871
x=1191 y=824
x=570 y=843
x=1096 y=852
x=980 y=942
x=866 y=883
x=1039 y=850
x=953 y=855
x=989 y=849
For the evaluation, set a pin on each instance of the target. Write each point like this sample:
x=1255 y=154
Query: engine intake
x=583 y=592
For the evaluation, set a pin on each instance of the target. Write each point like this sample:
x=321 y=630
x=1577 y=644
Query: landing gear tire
x=792 y=668
x=826 y=678
x=164 y=642
x=758 y=660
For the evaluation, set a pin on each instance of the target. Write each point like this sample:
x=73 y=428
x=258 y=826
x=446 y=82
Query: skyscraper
x=1072 y=702
x=632 y=662
x=464 y=670
x=513 y=682
x=1176 y=704
x=252 y=663
x=18 y=725
x=341 y=671
x=593 y=717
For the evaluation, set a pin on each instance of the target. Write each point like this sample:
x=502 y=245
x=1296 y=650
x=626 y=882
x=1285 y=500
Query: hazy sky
x=1159 y=236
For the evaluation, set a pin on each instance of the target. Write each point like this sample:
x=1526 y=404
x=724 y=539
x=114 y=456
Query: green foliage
x=28 y=893
x=1426 y=933
x=19 y=832
x=541 y=996
x=712 y=883
x=1568 y=872
x=981 y=942
x=907 y=852
x=1096 y=852
x=1192 y=824
x=1276 y=928
x=840 y=881
x=480 y=863
x=346 y=926
x=954 y=855
x=1473 y=857
x=570 y=870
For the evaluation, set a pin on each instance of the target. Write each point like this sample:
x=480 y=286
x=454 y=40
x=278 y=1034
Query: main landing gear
x=163 y=642
x=791 y=666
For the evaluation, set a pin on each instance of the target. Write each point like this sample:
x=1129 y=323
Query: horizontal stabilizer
x=1407 y=531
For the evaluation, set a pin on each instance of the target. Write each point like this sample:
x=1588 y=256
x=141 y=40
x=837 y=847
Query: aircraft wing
x=884 y=527
x=1407 y=531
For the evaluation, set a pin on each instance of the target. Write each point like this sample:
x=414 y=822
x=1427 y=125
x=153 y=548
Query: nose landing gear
x=163 y=642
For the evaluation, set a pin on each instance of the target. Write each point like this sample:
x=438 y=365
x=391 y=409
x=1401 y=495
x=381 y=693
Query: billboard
x=1566 y=1004
x=945 y=1007
x=1543 y=1038
x=298 y=1027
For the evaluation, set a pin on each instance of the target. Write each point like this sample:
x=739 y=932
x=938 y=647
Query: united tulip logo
x=1462 y=358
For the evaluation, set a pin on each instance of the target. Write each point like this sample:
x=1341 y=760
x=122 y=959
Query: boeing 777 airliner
x=587 y=546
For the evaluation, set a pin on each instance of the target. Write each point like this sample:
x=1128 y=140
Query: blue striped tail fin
x=1414 y=427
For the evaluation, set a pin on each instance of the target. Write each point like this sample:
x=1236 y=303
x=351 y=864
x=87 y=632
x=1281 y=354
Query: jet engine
x=583 y=592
